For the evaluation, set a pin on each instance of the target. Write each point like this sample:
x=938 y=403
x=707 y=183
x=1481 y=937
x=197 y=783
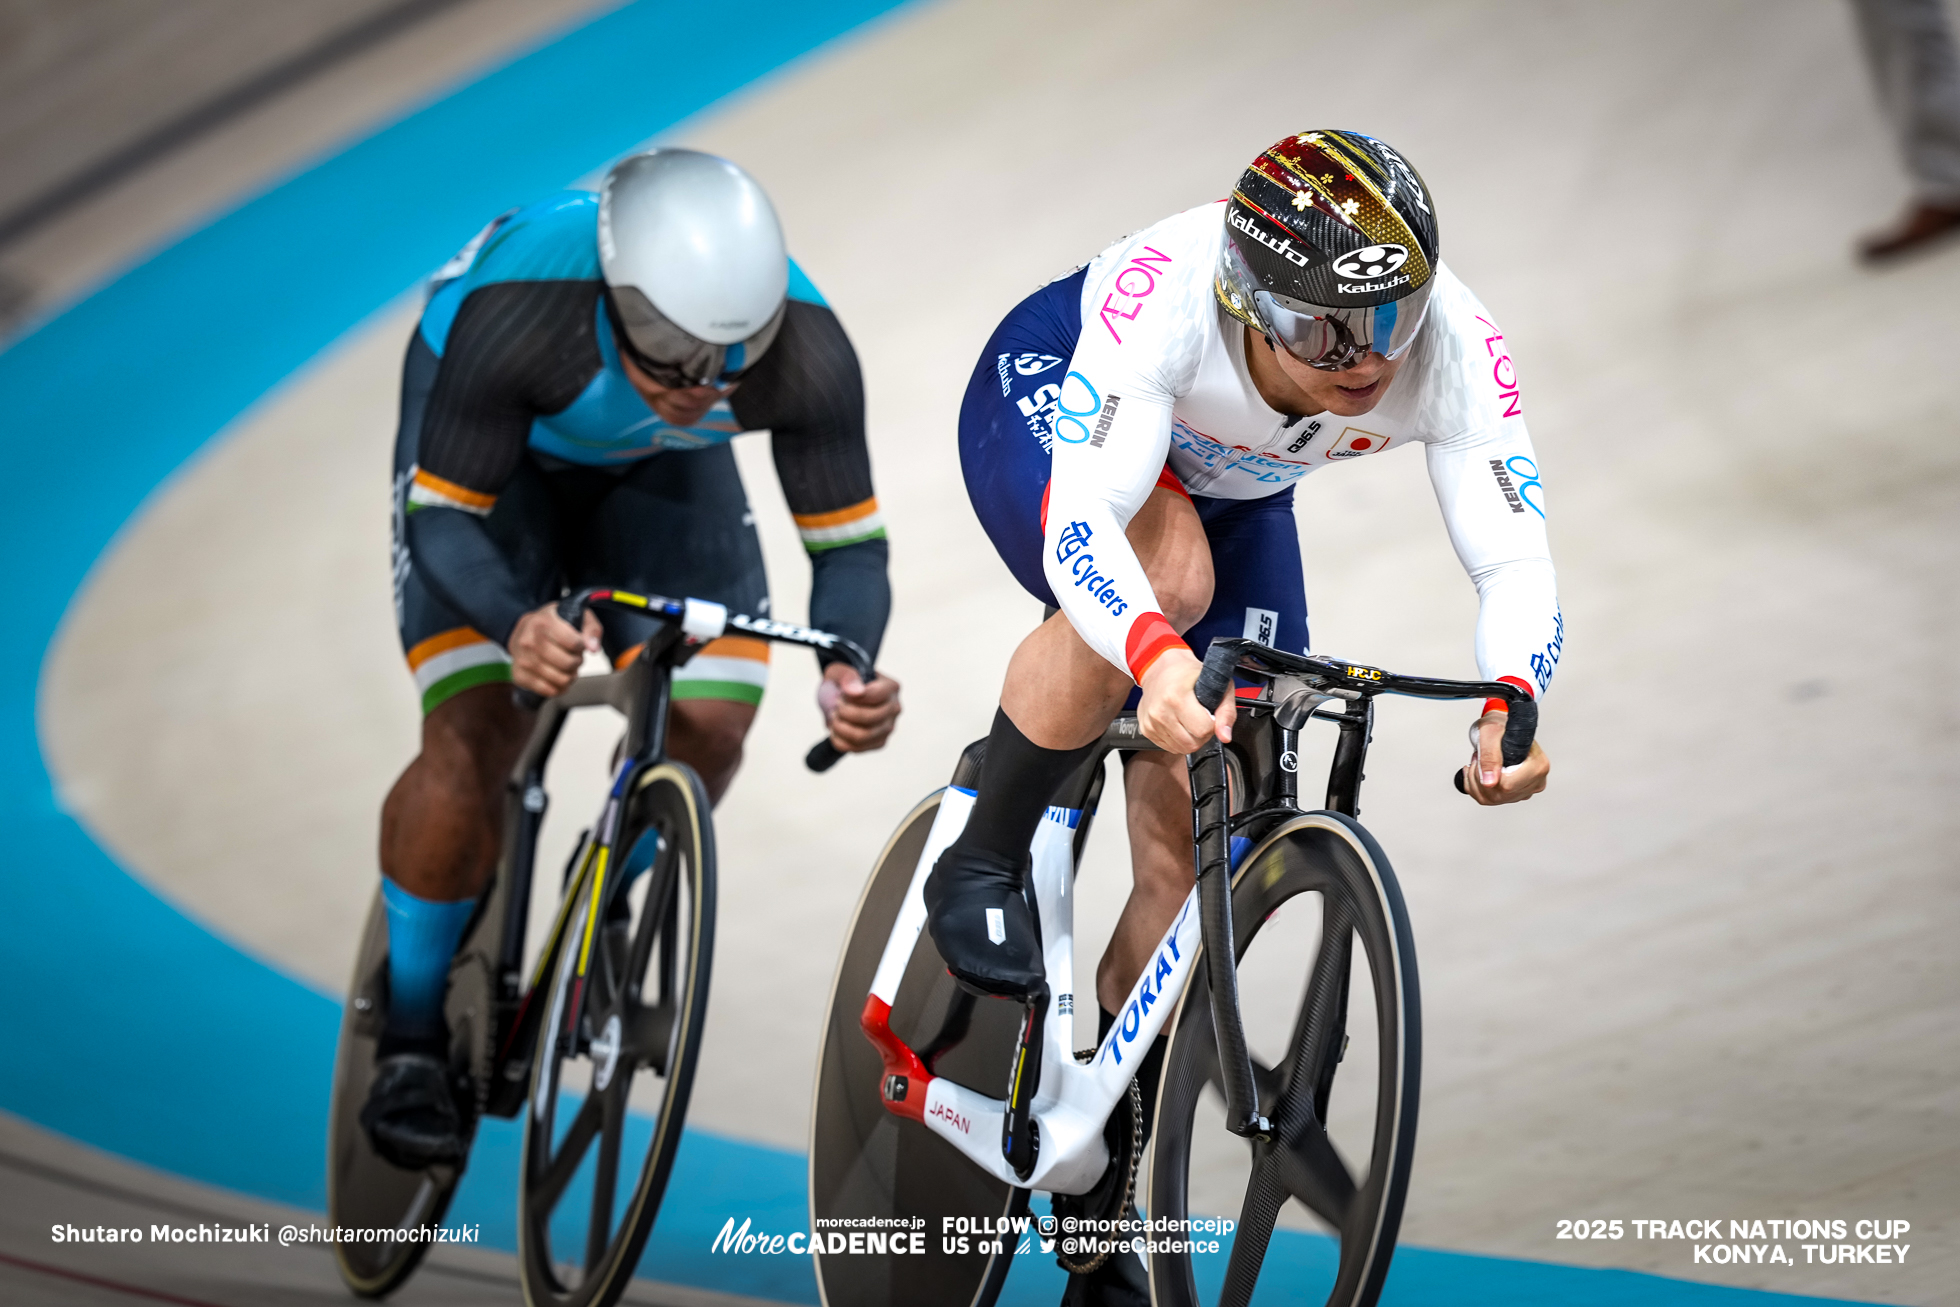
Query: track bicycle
x=597 y=1047
x=906 y=1124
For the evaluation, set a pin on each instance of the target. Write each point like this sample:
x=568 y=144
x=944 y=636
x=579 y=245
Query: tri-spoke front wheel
x=624 y=1003
x=1336 y=1163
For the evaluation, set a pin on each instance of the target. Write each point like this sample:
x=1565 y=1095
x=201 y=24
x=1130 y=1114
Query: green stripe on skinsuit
x=817 y=547
x=737 y=691
x=456 y=682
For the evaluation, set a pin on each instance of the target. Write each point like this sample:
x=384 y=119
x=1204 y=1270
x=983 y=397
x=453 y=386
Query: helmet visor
x=1334 y=339
x=675 y=358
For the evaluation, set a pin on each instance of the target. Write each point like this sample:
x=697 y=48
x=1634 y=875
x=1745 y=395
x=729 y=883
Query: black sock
x=1017 y=781
x=430 y=1043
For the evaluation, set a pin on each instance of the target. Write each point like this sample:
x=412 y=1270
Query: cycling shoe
x=981 y=925
x=410 y=1117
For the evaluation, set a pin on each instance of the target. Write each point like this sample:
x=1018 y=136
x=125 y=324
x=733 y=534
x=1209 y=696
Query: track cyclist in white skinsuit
x=1131 y=439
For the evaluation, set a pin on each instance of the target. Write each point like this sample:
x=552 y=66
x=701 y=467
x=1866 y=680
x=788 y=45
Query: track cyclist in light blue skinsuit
x=567 y=403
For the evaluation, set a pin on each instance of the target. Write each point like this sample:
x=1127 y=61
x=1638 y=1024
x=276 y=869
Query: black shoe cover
x=981 y=925
x=410 y=1117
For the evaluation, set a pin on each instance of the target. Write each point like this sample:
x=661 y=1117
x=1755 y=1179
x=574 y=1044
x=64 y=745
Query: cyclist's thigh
x=1006 y=419
x=678 y=524
x=1258 y=590
x=446 y=655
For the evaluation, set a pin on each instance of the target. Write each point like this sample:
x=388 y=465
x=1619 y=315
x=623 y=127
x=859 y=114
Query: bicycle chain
x=1096 y=1263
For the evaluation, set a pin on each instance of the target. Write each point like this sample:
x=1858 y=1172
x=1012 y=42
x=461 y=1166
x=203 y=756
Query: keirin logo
x=1284 y=248
x=1375 y=261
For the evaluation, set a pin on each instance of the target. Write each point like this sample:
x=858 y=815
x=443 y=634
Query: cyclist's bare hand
x=1170 y=715
x=545 y=651
x=1489 y=781
x=860 y=716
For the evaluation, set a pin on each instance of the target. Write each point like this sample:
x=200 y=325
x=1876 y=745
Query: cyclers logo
x=1375 y=261
x=1072 y=549
x=1284 y=248
x=1544 y=664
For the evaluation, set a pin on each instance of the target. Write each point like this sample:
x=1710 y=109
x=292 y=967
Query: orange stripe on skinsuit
x=838 y=517
x=737 y=646
x=442 y=644
x=450 y=490
x=727 y=646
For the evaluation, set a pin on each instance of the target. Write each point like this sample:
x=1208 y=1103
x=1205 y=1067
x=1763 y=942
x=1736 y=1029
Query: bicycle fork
x=1211 y=830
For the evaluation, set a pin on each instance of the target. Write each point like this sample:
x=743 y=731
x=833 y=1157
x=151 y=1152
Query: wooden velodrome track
x=1699 y=977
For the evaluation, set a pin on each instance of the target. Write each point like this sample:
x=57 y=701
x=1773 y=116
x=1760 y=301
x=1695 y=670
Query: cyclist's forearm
x=1105 y=467
x=462 y=565
x=1494 y=505
x=1520 y=631
x=1101 y=586
x=851 y=593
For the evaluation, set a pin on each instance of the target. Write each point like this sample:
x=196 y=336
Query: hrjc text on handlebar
x=697 y=621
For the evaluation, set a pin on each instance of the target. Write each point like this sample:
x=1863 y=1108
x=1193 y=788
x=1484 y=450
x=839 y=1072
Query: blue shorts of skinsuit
x=1258 y=590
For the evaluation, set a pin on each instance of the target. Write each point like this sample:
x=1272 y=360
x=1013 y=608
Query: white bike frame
x=1073 y=1100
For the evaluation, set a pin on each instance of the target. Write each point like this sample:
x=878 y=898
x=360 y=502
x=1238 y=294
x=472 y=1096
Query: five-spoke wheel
x=1339 y=1164
x=616 y=1049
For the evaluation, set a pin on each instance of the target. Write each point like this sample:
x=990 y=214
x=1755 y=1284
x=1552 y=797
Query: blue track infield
x=134 y=1029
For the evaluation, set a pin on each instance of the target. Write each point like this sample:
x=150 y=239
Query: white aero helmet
x=695 y=267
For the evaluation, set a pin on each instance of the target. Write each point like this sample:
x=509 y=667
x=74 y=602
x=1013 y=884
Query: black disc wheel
x=363 y=1191
x=1333 y=1017
x=624 y=1001
x=870 y=1171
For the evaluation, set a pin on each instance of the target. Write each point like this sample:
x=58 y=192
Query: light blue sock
x=422 y=939
x=640 y=857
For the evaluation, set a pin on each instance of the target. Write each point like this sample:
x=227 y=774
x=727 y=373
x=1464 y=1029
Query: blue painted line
x=134 y=1029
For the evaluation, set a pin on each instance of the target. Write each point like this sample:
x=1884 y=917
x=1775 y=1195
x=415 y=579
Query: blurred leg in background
x=1909 y=45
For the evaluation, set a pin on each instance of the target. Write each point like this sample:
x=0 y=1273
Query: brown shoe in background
x=1923 y=225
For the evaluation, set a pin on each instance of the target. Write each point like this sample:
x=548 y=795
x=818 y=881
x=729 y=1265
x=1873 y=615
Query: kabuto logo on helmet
x=1374 y=261
x=1283 y=247
x=1368 y=230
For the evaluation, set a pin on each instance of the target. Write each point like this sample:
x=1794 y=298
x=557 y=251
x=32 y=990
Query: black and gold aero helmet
x=1330 y=249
